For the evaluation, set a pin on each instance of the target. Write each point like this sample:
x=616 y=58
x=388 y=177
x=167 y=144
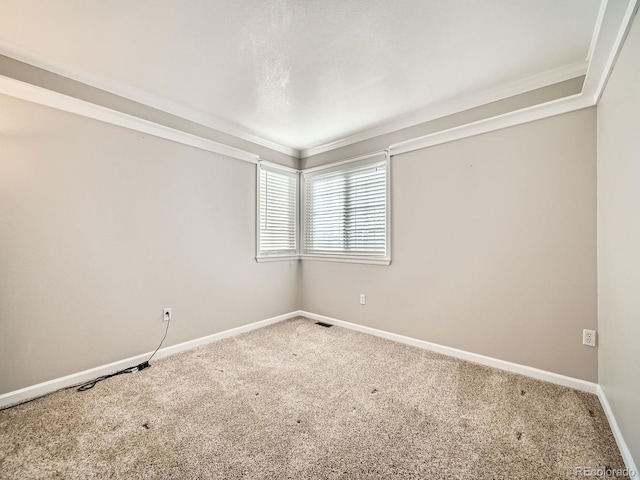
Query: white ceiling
x=301 y=73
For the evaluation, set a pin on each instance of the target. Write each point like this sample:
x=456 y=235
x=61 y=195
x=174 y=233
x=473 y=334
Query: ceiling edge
x=456 y=105
x=42 y=96
x=510 y=119
x=612 y=24
x=26 y=56
x=612 y=32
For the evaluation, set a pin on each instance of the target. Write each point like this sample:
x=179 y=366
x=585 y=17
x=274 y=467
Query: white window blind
x=345 y=210
x=277 y=207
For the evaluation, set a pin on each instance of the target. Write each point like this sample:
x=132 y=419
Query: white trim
x=300 y=209
x=598 y=70
x=525 y=115
x=596 y=29
x=388 y=232
x=536 y=373
x=604 y=72
x=43 y=388
x=285 y=171
x=609 y=32
x=359 y=158
x=432 y=112
x=257 y=211
x=300 y=214
x=278 y=166
x=26 y=56
x=617 y=434
x=369 y=158
x=327 y=258
x=49 y=98
x=613 y=21
x=347 y=259
x=456 y=105
x=275 y=258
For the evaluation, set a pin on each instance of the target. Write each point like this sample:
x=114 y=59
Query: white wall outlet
x=363 y=299
x=166 y=315
x=589 y=337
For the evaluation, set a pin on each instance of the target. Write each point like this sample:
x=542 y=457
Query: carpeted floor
x=299 y=401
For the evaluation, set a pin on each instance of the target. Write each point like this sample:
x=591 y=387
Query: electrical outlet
x=589 y=337
x=166 y=315
x=363 y=299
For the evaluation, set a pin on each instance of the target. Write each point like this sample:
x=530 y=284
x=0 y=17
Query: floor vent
x=322 y=324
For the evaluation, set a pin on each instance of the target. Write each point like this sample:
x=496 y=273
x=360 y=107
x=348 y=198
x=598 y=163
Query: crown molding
x=596 y=29
x=518 y=117
x=613 y=22
x=49 y=98
x=613 y=25
x=456 y=105
x=26 y=56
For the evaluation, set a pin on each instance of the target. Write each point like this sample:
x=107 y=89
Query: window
x=346 y=211
x=277 y=212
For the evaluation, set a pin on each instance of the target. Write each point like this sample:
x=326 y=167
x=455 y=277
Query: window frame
x=279 y=169
x=347 y=165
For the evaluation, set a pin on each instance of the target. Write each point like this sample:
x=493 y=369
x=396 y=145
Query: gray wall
x=493 y=250
x=102 y=227
x=619 y=240
x=493 y=246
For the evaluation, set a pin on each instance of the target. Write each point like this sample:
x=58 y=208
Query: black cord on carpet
x=92 y=383
x=141 y=366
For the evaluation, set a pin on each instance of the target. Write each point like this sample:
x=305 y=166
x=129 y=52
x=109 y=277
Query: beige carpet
x=296 y=400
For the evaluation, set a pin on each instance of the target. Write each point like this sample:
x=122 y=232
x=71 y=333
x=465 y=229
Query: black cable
x=92 y=383
x=165 y=336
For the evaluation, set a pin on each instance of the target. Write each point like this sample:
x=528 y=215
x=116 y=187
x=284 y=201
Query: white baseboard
x=551 y=377
x=18 y=396
x=617 y=434
x=43 y=388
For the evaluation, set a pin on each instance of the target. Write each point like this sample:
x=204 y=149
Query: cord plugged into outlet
x=589 y=338
x=166 y=316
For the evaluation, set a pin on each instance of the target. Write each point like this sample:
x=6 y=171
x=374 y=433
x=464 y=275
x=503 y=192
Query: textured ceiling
x=300 y=73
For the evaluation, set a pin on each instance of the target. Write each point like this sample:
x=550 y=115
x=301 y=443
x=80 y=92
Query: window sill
x=326 y=258
x=345 y=259
x=283 y=258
